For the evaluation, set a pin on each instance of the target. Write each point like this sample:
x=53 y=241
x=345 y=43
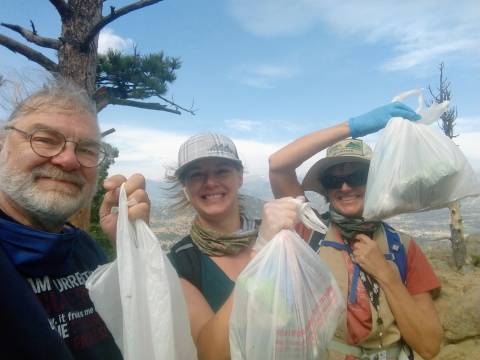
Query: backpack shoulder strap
x=185 y=258
x=397 y=252
x=317 y=238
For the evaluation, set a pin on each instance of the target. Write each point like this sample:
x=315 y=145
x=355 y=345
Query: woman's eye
x=225 y=171
x=196 y=175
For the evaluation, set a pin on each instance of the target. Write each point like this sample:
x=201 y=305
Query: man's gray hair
x=57 y=94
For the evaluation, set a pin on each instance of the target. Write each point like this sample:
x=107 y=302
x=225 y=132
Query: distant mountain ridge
x=423 y=226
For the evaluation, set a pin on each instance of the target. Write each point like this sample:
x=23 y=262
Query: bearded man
x=50 y=148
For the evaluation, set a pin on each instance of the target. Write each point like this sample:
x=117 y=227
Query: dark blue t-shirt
x=65 y=308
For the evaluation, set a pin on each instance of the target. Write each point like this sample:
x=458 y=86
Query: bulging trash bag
x=286 y=303
x=139 y=296
x=414 y=167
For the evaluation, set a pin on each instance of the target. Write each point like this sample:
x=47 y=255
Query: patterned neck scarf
x=350 y=227
x=214 y=243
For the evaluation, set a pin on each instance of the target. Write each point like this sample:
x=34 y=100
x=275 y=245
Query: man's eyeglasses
x=357 y=178
x=49 y=143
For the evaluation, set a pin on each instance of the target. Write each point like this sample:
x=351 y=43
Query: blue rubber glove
x=378 y=118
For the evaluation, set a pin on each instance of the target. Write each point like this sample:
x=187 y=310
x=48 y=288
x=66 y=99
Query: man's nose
x=67 y=158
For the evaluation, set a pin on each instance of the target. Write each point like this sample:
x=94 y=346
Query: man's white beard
x=50 y=208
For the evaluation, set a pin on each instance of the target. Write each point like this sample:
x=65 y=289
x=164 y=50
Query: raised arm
x=283 y=163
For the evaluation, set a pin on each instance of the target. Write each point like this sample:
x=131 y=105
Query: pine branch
x=29 y=53
x=33 y=37
x=144 y=105
x=62 y=8
x=115 y=14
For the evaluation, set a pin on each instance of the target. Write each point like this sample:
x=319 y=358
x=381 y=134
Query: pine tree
x=110 y=79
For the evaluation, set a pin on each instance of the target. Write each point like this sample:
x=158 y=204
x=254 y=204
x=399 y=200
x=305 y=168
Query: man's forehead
x=71 y=124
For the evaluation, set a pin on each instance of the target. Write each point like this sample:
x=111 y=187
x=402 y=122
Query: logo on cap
x=218 y=148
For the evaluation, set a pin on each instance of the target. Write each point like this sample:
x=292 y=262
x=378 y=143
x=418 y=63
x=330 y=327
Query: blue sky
x=267 y=71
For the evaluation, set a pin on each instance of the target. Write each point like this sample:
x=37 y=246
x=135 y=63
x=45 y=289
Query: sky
x=265 y=72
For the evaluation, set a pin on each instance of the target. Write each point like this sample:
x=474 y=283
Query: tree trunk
x=457 y=237
x=78 y=63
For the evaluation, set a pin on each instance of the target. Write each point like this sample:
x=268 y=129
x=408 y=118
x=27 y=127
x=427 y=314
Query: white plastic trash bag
x=139 y=296
x=414 y=167
x=286 y=304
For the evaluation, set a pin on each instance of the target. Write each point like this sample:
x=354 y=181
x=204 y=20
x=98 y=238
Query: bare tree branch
x=144 y=105
x=29 y=53
x=33 y=37
x=33 y=27
x=191 y=111
x=62 y=8
x=115 y=14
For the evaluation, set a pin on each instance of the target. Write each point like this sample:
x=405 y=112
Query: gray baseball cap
x=348 y=150
x=207 y=145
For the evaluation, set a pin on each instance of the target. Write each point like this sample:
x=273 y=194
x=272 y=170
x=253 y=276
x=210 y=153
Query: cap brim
x=311 y=181
x=182 y=168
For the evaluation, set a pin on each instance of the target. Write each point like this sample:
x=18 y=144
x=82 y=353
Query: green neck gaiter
x=214 y=243
x=350 y=227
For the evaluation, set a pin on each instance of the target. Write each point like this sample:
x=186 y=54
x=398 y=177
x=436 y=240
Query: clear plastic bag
x=416 y=168
x=286 y=304
x=139 y=296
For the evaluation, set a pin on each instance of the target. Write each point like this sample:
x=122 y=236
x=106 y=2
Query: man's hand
x=378 y=118
x=137 y=200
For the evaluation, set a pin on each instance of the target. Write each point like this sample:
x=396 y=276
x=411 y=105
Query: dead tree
x=447 y=124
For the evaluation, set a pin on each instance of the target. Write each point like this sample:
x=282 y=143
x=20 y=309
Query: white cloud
x=263 y=76
x=467 y=124
x=420 y=32
x=151 y=151
x=109 y=40
x=242 y=125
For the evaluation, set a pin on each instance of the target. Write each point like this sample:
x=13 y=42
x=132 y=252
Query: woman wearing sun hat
x=386 y=279
x=219 y=246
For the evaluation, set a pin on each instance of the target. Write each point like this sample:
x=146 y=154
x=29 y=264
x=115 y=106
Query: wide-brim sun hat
x=203 y=146
x=348 y=150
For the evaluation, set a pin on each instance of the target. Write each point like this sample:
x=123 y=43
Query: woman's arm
x=210 y=331
x=284 y=162
x=416 y=318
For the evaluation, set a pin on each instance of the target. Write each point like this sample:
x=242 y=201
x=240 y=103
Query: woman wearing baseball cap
x=221 y=237
x=386 y=279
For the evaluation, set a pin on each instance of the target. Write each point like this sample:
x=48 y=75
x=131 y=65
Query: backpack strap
x=396 y=253
x=396 y=249
x=185 y=258
x=317 y=238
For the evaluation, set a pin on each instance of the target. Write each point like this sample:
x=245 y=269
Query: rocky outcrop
x=459 y=301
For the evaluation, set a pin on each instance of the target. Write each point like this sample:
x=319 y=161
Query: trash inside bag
x=415 y=167
x=139 y=296
x=286 y=304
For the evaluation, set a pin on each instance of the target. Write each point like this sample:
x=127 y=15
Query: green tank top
x=216 y=285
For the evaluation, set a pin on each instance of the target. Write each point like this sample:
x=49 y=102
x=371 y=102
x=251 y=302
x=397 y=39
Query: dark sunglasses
x=357 y=178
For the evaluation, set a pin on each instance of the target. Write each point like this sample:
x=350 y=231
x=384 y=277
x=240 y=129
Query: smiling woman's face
x=347 y=199
x=212 y=185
